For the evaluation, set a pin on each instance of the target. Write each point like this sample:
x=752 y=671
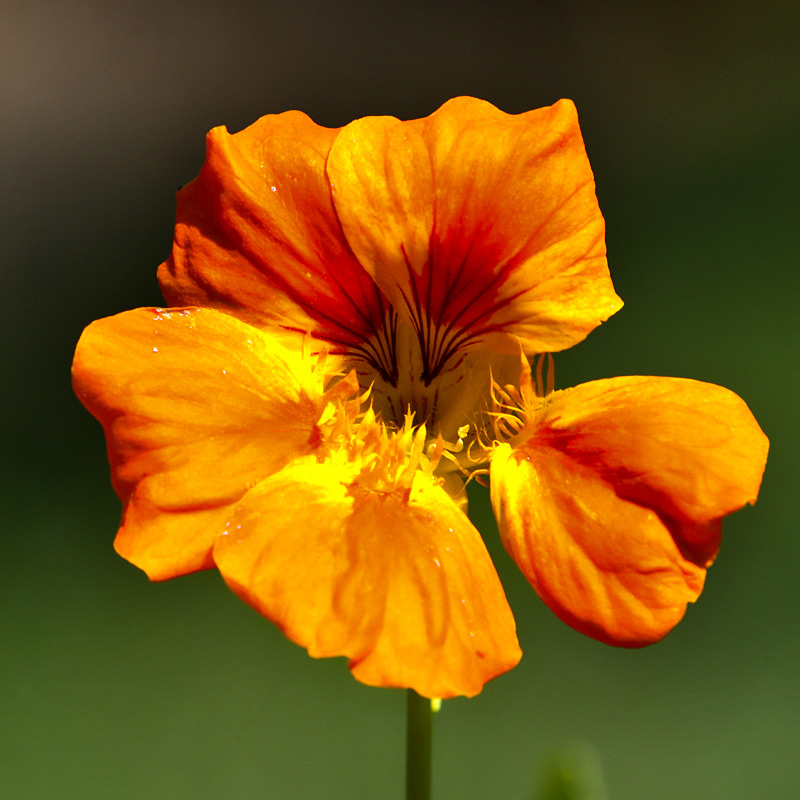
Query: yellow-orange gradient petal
x=480 y=222
x=612 y=505
x=257 y=236
x=607 y=567
x=197 y=407
x=399 y=582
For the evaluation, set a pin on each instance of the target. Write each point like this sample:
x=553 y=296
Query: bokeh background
x=111 y=687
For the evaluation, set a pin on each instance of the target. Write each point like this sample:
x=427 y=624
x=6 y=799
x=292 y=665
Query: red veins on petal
x=611 y=500
x=479 y=223
x=257 y=236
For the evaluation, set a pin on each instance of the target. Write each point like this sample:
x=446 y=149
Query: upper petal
x=480 y=222
x=399 y=582
x=197 y=407
x=611 y=500
x=257 y=236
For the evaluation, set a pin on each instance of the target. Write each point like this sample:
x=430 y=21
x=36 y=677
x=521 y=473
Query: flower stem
x=419 y=727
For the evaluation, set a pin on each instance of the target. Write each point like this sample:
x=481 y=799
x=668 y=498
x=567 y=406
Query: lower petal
x=197 y=407
x=399 y=582
x=167 y=543
x=689 y=449
x=607 y=566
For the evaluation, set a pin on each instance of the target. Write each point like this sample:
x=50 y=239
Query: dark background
x=111 y=687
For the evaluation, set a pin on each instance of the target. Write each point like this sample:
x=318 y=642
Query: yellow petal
x=482 y=223
x=197 y=407
x=611 y=502
x=399 y=582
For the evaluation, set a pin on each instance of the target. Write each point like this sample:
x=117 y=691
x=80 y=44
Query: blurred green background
x=112 y=687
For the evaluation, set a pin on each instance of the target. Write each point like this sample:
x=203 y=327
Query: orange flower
x=346 y=305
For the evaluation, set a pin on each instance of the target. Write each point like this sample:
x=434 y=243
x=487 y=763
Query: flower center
x=419 y=372
x=516 y=408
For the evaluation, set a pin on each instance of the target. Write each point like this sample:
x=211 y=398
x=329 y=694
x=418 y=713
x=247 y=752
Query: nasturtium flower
x=353 y=314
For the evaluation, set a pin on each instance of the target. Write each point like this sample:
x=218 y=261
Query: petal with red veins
x=257 y=236
x=689 y=449
x=478 y=222
x=611 y=504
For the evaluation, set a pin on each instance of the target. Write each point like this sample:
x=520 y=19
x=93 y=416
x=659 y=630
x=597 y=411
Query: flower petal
x=609 y=568
x=686 y=448
x=399 y=583
x=383 y=190
x=612 y=505
x=257 y=236
x=197 y=407
x=481 y=222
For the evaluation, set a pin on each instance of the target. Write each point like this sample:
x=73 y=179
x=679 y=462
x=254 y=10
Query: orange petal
x=482 y=222
x=607 y=567
x=612 y=505
x=197 y=407
x=689 y=449
x=257 y=236
x=400 y=584
x=381 y=175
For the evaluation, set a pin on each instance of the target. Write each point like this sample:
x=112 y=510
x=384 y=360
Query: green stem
x=419 y=717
